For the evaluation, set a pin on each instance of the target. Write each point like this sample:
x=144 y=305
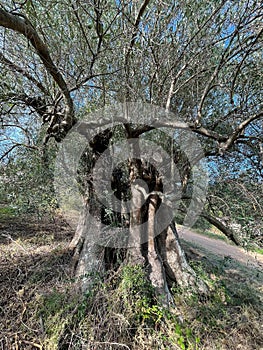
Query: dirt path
x=221 y=248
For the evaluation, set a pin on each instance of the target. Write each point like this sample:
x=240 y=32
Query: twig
x=19 y=245
x=32 y=343
x=110 y=343
x=12 y=240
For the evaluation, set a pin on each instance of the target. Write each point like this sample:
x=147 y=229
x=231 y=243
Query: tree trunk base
x=162 y=258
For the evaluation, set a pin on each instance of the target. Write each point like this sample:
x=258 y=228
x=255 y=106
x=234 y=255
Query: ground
x=221 y=248
x=36 y=274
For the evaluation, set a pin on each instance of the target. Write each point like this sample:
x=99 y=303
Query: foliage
x=238 y=202
x=7 y=212
x=201 y=61
x=28 y=183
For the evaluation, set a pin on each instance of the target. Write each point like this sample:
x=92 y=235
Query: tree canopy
x=60 y=60
x=131 y=70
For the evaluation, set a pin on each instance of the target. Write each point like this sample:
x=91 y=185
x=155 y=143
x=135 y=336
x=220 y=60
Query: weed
x=7 y=212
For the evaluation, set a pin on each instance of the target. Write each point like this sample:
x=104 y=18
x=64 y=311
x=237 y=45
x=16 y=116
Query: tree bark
x=160 y=254
x=177 y=267
x=157 y=270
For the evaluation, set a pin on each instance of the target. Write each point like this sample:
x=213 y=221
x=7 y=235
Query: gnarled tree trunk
x=159 y=253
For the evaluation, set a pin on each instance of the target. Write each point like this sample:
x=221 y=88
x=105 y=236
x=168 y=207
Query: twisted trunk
x=157 y=250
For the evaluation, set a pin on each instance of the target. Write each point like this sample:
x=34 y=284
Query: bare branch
x=25 y=130
x=241 y=63
x=75 y=11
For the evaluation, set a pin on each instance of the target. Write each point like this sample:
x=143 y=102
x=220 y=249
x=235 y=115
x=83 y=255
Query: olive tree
x=199 y=62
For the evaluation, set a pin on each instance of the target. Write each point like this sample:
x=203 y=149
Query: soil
x=221 y=248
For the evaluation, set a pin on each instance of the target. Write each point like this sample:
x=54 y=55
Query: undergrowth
x=40 y=307
x=123 y=313
x=119 y=313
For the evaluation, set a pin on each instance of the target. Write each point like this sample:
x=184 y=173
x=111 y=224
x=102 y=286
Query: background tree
x=200 y=61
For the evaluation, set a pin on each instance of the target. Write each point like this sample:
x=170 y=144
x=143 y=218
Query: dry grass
x=40 y=310
x=33 y=263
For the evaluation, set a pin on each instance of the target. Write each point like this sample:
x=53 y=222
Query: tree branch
x=16 y=68
x=137 y=22
x=21 y=24
x=15 y=146
x=241 y=63
x=218 y=224
x=231 y=139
